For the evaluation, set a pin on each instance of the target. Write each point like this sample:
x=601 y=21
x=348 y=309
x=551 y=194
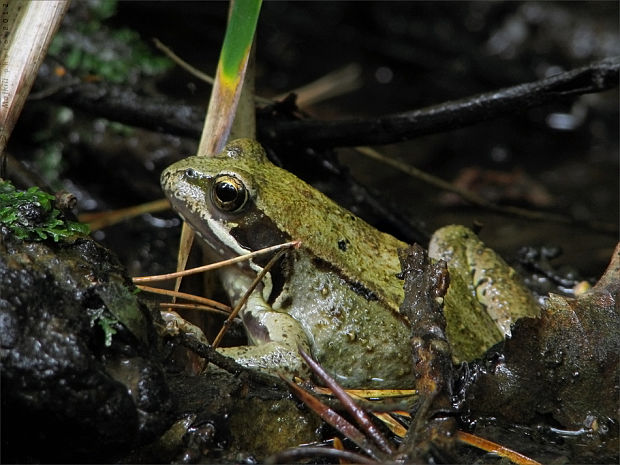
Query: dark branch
x=124 y=105
x=226 y=363
x=446 y=116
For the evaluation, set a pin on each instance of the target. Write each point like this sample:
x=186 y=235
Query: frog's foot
x=273 y=358
x=276 y=337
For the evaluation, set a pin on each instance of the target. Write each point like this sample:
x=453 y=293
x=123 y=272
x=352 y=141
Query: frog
x=336 y=295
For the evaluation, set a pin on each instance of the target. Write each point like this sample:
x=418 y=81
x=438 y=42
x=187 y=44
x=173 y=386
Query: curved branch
x=126 y=106
x=455 y=114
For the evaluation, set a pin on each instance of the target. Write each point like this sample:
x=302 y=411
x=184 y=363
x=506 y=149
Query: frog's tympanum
x=336 y=296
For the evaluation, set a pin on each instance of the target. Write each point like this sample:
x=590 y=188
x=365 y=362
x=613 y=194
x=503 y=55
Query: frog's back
x=366 y=256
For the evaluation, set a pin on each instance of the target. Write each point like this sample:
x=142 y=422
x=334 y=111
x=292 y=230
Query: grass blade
x=230 y=75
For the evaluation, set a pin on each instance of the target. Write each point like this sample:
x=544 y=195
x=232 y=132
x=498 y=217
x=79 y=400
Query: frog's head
x=219 y=197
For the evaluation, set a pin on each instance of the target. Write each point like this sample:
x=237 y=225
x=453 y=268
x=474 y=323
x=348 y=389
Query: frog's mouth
x=217 y=248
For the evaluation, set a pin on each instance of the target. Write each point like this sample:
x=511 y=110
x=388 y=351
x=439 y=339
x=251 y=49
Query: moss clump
x=30 y=215
x=91 y=48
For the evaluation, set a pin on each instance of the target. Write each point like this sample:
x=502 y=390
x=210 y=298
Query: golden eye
x=229 y=193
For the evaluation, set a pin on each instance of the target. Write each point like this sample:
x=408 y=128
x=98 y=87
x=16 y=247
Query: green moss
x=30 y=215
x=106 y=323
x=91 y=47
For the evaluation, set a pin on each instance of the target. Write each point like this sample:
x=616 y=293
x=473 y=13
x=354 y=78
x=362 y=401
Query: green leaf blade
x=238 y=40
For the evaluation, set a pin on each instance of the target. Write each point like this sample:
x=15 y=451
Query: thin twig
x=333 y=84
x=214 y=266
x=475 y=199
x=183 y=295
x=369 y=393
x=245 y=298
x=182 y=63
x=198 y=307
x=196 y=72
x=490 y=446
x=99 y=220
x=358 y=414
x=336 y=420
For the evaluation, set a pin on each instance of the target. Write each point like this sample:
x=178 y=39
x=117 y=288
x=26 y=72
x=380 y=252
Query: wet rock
x=228 y=418
x=77 y=384
x=559 y=374
x=265 y=427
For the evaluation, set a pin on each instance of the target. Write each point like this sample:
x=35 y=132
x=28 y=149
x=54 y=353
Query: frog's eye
x=229 y=193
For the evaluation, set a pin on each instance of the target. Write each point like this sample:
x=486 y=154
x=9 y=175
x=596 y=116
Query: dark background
x=411 y=55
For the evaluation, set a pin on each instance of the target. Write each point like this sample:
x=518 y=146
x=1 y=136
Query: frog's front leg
x=275 y=336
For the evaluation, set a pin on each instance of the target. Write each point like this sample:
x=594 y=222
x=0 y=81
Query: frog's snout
x=165 y=180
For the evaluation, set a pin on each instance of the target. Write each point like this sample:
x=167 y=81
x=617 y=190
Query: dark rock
x=558 y=375
x=67 y=395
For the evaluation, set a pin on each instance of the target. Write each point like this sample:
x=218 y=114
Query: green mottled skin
x=486 y=296
x=339 y=293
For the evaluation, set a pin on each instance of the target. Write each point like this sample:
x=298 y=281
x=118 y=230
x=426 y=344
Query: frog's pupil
x=226 y=192
x=229 y=193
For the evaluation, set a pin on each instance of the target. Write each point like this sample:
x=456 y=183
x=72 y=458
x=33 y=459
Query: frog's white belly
x=361 y=342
